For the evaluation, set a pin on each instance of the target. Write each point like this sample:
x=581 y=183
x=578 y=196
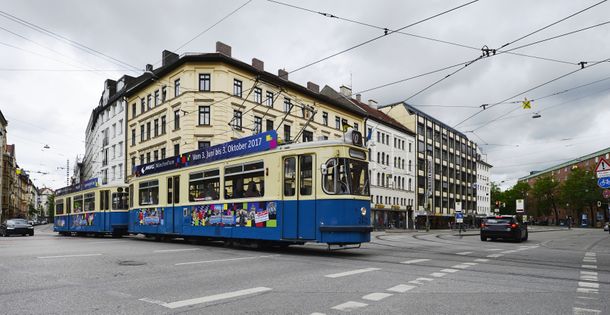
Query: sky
x=50 y=87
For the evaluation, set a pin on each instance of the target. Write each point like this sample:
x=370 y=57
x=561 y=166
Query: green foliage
x=544 y=194
x=506 y=200
x=580 y=191
x=51 y=207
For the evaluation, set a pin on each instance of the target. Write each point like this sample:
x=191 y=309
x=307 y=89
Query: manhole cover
x=131 y=263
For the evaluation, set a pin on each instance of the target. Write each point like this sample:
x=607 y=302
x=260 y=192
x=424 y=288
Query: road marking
x=175 y=250
x=68 y=256
x=587 y=298
x=377 y=296
x=589 y=266
x=316 y=313
x=481 y=260
x=589 y=273
x=402 y=288
x=347 y=306
x=419 y=280
x=590 y=254
x=414 y=261
x=449 y=270
x=588 y=285
x=470 y=263
x=207 y=299
x=463 y=253
x=222 y=260
x=349 y=273
x=588 y=278
x=438 y=274
x=587 y=290
x=585 y=311
x=509 y=251
x=493 y=249
x=461 y=266
x=590 y=260
x=495 y=255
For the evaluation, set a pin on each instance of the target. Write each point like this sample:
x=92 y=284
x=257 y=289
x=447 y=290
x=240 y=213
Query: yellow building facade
x=200 y=100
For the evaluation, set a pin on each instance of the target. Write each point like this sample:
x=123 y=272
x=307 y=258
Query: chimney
x=359 y=97
x=283 y=74
x=345 y=91
x=168 y=57
x=258 y=64
x=313 y=87
x=223 y=49
x=373 y=104
x=149 y=68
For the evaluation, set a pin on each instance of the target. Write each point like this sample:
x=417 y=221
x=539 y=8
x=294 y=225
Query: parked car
x=507 y=227
x=16 y=226
x=606 y=228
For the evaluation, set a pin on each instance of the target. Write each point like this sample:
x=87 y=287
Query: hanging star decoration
x=526 y=104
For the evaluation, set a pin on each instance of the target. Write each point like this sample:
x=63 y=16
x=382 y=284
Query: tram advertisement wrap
x=85 y=219
x=245 y=214
x=150 y=216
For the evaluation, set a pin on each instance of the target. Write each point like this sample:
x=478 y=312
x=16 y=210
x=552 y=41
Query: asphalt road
x=555 y=272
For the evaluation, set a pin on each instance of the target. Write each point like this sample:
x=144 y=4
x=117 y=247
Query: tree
x=51 y=207
x=580 y=192
x=545 y=196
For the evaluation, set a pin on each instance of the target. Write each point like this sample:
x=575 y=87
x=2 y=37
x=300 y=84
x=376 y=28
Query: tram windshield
x=346 y=177
x=119 y=201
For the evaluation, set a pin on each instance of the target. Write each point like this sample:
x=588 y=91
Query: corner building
x=195 y=101
x=446 y=166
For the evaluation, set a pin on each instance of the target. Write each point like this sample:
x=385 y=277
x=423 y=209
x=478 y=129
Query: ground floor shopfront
x=392 y=218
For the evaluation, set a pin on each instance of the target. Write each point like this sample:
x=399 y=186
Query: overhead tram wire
x=388 y=32
x=333 y=16
x=71 y=42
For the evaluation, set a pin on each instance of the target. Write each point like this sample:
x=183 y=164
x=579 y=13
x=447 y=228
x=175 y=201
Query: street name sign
x=603 y=182
x=603 y=168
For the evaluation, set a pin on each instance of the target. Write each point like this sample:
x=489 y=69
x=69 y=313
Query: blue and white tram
x=251 y=190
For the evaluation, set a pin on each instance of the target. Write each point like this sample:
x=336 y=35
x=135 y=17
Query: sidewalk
x=475 y=232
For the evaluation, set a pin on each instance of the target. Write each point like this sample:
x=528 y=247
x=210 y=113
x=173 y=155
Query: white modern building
x=105 y=136
x=43 y=200
x=483 y=185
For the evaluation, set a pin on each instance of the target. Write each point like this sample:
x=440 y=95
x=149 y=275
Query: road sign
x=603 y=182
x=459 y=217
x=606 y=193
x=603 y=168
x=458 y=206
x=520 y=206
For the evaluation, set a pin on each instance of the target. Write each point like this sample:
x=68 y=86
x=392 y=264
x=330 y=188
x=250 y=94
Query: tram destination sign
x=257 y=143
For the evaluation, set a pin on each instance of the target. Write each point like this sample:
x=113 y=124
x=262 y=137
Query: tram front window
x=346 y=177
x=119 y=201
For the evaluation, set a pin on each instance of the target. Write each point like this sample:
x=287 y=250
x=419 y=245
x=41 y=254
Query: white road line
x=493 y=249
x=587 y=290
x=589 y=273
x=438 y=274
x=175 y=250
x=68 y=256
x=316 y=313
x=470 y=263
x=586 y=298
x=589 y=260
x=589 y=266
x=589 y=278
x=588 y=284
x=414 y=261
x=352 y=272
x=461 y=266
x=377 y=296
x=463 y=253
x=585 y=311
x=402 y=288
x=590 y=254
x=509 y=251
x=347 y=306
x=207 y=299
x=222 y=260
x=481 y=260
x=495 y=255
x=419 y=280
x=449 y=270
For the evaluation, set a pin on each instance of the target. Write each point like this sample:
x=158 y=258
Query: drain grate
x=131 y=263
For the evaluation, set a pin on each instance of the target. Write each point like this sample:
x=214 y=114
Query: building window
x=286 y=133
x=344 y=124
x=325 y=118
x=203 y=145
x=356 y=126
x=258 y=95
x=176 y=149
x=142 y=134
x=176 y=119
x=133 y=165
x=269 y=125
x=177 y=88
x=133 y=137
x=148 y=130
x=147 y=157
x=307 y=136
x=133 y=110
x=149 y=101
x=141 y=159
x=157 y=100
x=204 y=82
x=155 y=155
x=287 y=105
x=162 y=125
x=337 y=123
x=258 y=125
x=237 y=88
x=237 y=123
x=163 y=93
x=142 y=105
x=162 y=153
x=156 y=127
x=204 y=115
x=269 y=99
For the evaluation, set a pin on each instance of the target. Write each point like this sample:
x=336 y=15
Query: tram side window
x=244 y=181
x=59 y=206
x=204 y=185
x=306 y=178
x=78 y=204
x=104 y=197
x=290 y=176
x=131 y=195
x=149 y=192
x=89 y=204
x=119 y=201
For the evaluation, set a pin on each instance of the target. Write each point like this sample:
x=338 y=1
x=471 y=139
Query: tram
x=252 y=190
x=89 y=209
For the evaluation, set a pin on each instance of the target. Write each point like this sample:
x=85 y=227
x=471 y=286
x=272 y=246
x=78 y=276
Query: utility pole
x=429 y=186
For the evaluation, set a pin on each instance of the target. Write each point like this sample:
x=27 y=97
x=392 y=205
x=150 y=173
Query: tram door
x=173 y=215
x=299 y=211
x=105 y=210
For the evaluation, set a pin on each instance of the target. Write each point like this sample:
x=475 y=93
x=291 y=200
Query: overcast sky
x=49 y=88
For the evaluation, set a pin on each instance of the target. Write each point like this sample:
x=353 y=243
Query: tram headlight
x=363 y=211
